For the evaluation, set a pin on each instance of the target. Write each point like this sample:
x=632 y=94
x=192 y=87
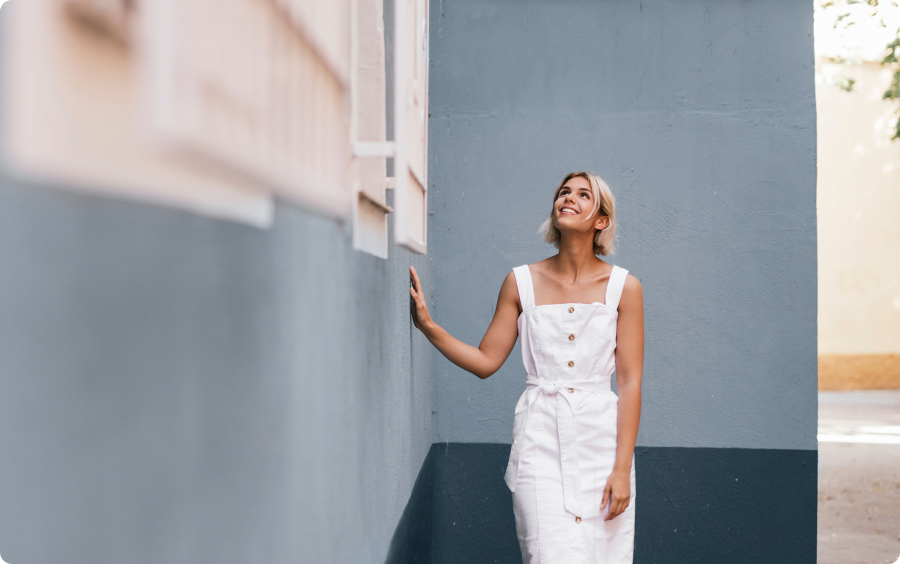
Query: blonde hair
x=604 y=239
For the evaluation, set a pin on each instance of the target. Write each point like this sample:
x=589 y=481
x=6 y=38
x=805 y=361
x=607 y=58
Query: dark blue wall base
x=694 y=505
x=412 y=540
x=725 y=505
x=473 y=513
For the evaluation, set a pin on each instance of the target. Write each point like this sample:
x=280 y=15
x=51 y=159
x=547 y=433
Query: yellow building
x=858 y=230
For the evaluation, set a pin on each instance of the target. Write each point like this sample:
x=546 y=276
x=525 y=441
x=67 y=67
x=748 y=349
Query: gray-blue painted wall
x=701 y=117
x=180 y=389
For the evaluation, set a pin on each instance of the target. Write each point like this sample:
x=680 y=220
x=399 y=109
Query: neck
x=576 y=254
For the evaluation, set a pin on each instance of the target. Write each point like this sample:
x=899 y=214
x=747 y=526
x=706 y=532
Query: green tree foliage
x=893 y=93
x=855 y=12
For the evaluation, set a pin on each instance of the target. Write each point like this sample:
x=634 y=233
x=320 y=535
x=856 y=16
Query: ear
x=601 y=223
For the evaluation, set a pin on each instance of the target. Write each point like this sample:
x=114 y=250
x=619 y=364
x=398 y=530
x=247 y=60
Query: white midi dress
x=564 y=432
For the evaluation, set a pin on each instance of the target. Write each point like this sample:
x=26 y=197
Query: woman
x=571 y=467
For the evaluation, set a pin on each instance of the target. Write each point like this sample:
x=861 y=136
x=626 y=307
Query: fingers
x=416 y=296
x=617 y=506
x=415 y=278
x=413 y=308
x=414 y=290
x=617 y=499
x=613 y=511
x=417 y=307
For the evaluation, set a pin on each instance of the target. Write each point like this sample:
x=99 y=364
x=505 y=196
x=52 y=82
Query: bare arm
x=497 y=343
x=629 y=369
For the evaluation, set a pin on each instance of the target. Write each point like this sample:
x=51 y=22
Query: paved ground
x=859 y=477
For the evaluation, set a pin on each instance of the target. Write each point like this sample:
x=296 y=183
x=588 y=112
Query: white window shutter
x=258 y=87
x=411 y=124
x=368 y=129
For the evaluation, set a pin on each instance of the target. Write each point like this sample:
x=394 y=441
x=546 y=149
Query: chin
x=566 y=219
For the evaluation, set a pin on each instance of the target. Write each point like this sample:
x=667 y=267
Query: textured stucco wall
x=701 y=117
x=180 y=389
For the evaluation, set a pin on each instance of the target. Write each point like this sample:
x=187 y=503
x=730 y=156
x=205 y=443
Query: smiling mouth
x=567 y=211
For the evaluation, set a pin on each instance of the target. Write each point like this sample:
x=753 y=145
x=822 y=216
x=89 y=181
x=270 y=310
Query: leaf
x=893 y=47
x=893 y=93
x=845 y=83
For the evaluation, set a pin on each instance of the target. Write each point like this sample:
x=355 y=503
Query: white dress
x=564 y=434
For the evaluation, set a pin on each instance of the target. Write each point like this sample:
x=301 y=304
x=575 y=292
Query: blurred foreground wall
x=179 y=389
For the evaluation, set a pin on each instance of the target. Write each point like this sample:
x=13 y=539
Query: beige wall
x=858 y=231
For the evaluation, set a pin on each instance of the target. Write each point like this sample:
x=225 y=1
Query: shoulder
x=631 y=289
x=541 y=265
x=540 y=270
x=510 y=285
x=509 y=291
x=631 y=281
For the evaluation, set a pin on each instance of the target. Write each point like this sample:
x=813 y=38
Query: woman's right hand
x=417 y=306
x=485 y=359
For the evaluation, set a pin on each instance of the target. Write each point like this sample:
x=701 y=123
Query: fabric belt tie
x=566 y=428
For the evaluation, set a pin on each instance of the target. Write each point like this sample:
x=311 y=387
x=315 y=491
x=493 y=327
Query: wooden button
x=571 y=309
x=571 y=363
x=571 y=337
x=571 y=390
x=578 y=519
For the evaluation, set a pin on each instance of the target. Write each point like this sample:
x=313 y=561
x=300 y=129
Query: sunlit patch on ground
x=859 y=477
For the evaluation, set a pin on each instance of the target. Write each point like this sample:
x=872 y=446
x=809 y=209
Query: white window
x=368 y=128
x=410 y=145
x=411 y=124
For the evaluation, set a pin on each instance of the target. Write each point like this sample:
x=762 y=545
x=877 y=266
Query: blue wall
x=181 y=389
x=701 y=117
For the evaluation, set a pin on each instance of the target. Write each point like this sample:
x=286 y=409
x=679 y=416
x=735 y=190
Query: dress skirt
x=548 y=533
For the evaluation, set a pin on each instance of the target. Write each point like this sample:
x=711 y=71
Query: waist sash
x=564 y=390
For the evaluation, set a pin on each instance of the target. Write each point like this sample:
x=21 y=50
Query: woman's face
x=573 y=207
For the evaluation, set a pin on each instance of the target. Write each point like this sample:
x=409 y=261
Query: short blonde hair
x=604 y=239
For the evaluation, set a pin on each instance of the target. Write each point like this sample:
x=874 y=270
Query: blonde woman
x=579 y=319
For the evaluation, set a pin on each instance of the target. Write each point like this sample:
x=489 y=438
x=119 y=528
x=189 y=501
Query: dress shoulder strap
x=615 y=286
x=526 y=288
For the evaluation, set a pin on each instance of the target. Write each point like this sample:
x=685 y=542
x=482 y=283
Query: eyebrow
x=577 y=189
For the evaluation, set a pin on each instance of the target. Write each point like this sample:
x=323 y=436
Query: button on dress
x=564 y=432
